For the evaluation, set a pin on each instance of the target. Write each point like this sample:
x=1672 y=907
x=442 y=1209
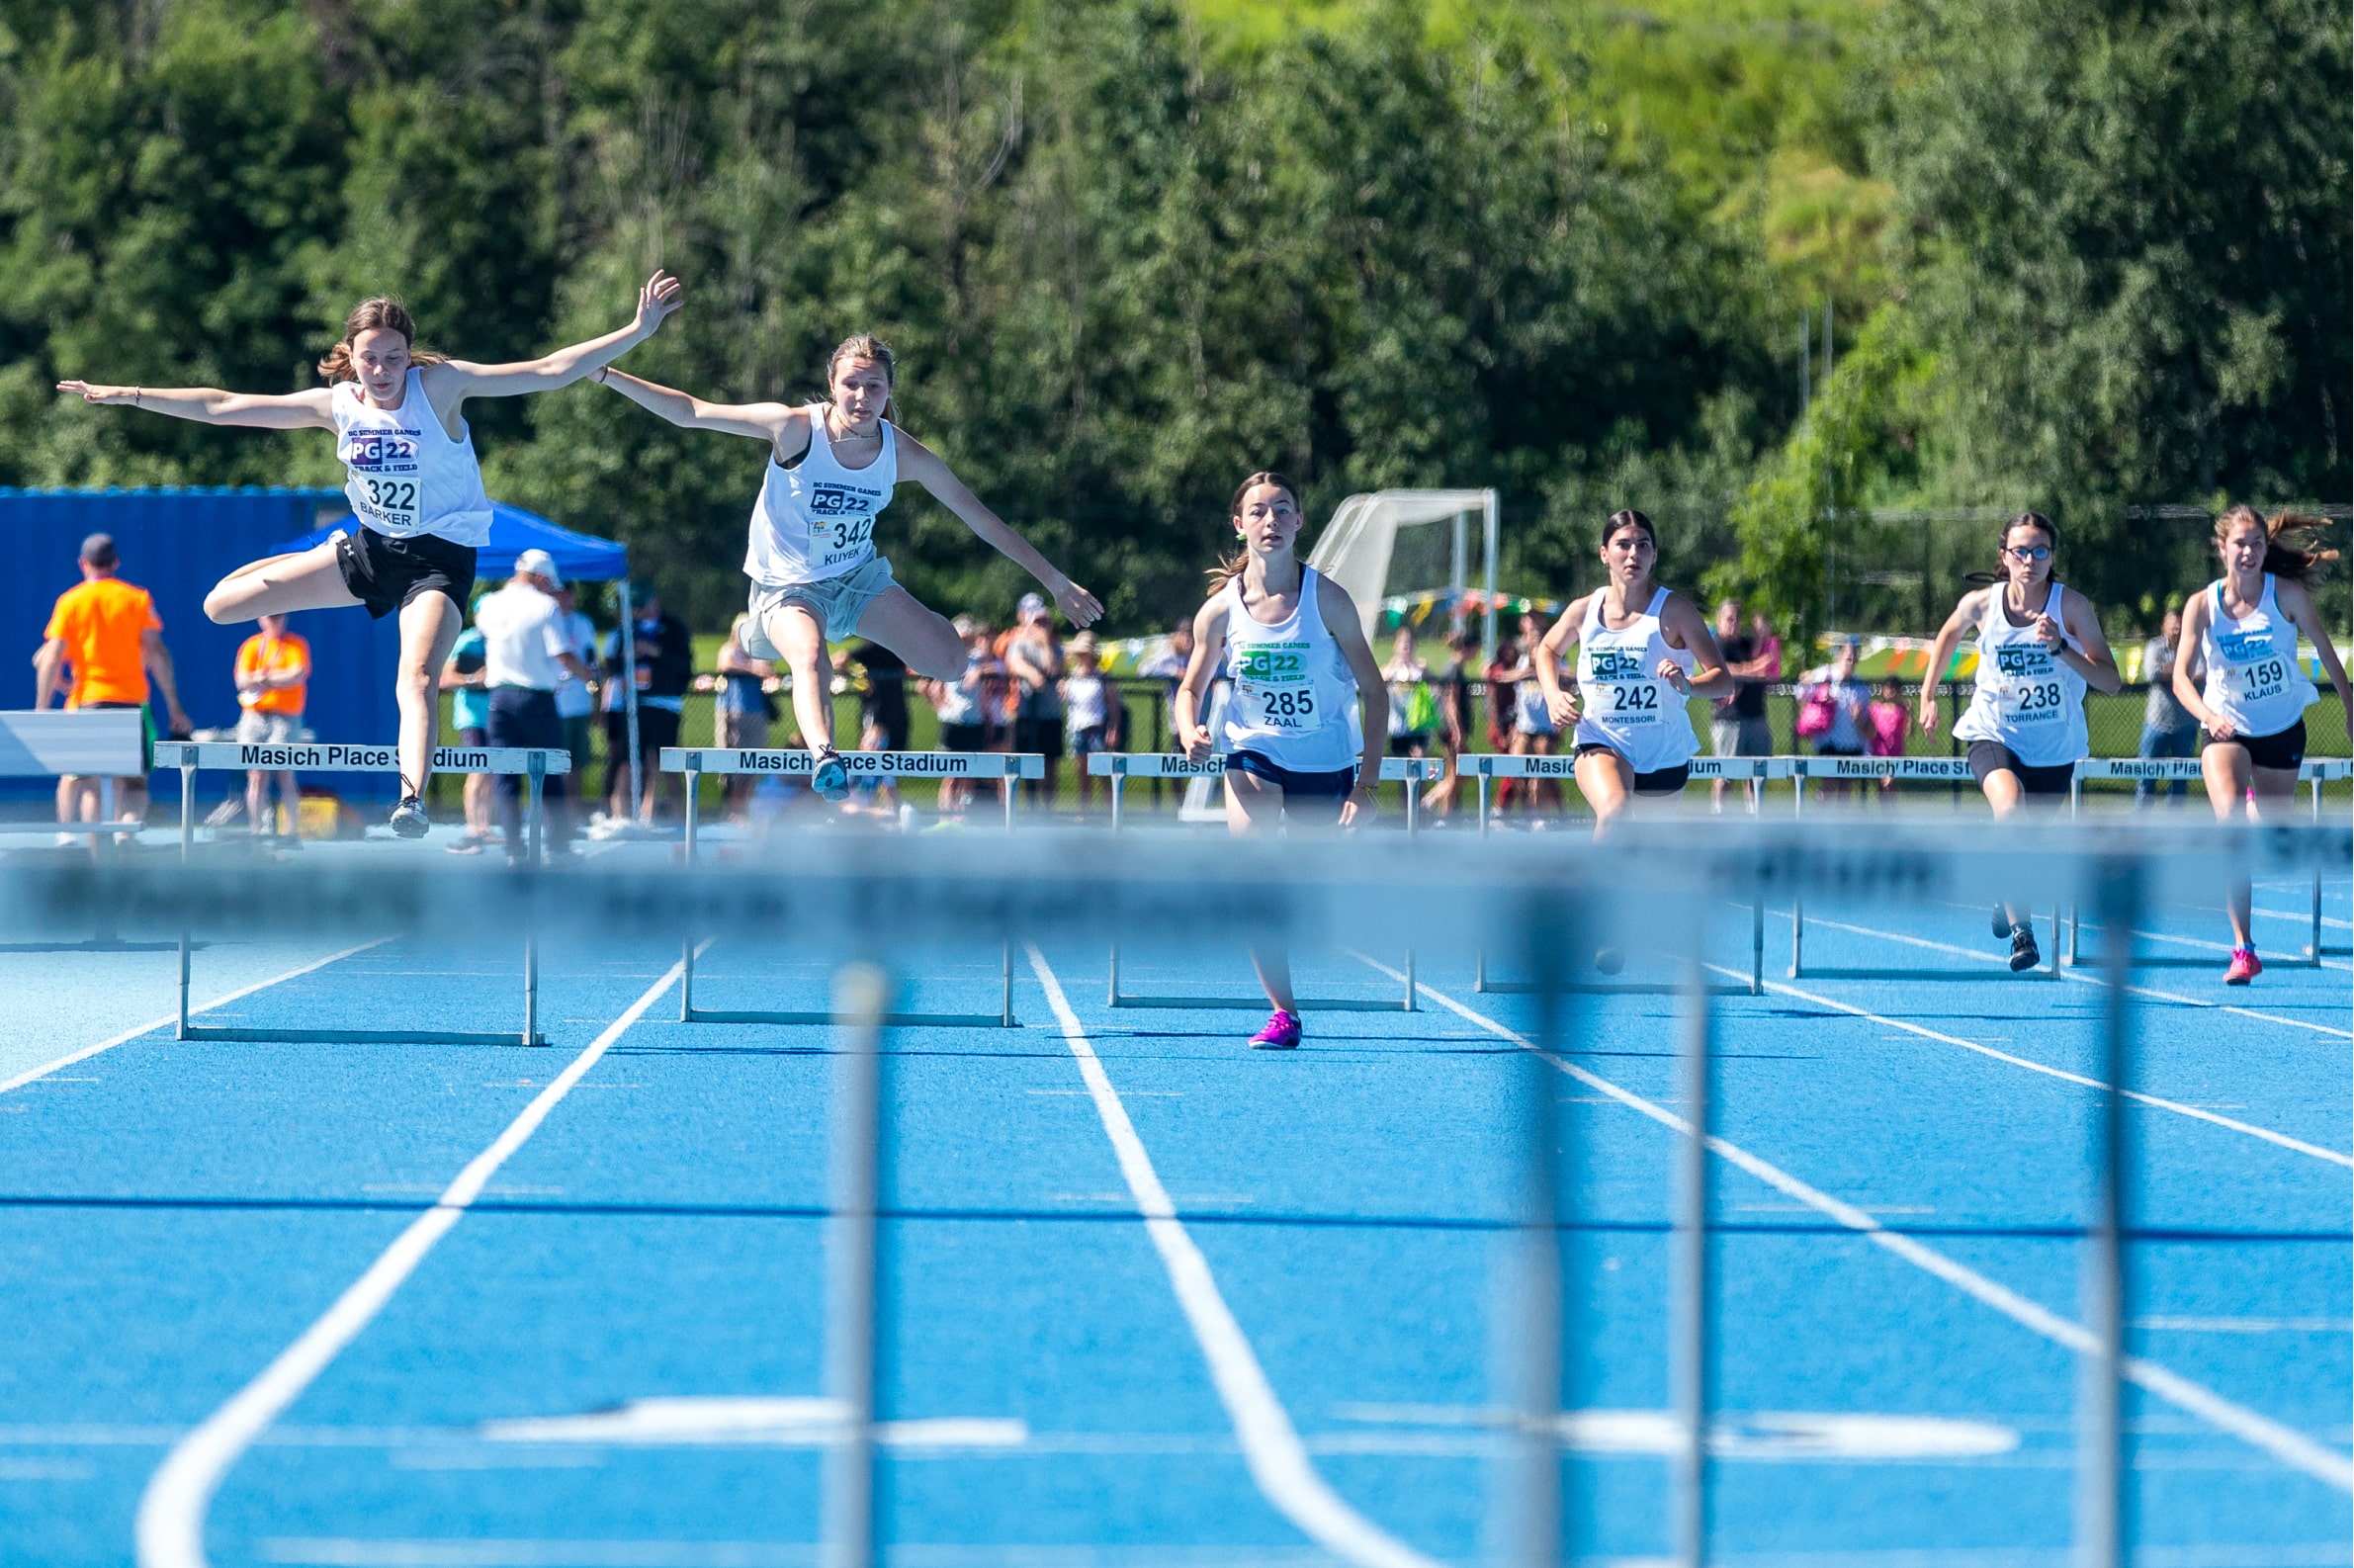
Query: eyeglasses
x=2028 y=552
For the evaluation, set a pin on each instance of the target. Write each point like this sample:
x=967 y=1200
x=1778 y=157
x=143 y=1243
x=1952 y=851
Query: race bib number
x=835 y=540
x=2265 y=678
x=1619 y=691
x=1272 y=682
x=384 y=487
x=2032 y=692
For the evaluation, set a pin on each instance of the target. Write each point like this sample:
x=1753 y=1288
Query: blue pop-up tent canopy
x=579 y=557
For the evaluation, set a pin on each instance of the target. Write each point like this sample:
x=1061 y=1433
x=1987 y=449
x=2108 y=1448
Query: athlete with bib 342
x=816 y=576
x=414 y=486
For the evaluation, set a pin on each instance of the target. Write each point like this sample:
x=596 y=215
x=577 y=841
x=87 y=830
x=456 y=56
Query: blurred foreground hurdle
x=694 y=761
x=104 y=742
x=1121 y=766
x=532 y=763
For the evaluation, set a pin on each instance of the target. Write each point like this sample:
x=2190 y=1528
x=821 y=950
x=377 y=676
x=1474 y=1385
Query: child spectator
x=962 y=705
x=1086 y=713
x=1889 y=719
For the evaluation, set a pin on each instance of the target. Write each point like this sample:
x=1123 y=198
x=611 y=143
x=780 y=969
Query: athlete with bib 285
x=1306 y=722
x=2039 y=648
x=2244 y=625
x=414 y=486
x=815 y=576
x=1642 y=651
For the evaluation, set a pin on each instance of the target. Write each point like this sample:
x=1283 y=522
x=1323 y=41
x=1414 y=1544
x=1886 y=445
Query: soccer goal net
x=1405 y=558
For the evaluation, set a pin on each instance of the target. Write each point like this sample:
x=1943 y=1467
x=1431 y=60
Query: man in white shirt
x=526 y=655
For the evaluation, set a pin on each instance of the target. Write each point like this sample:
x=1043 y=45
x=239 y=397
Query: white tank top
x=1295 y=699
x=404 y=476
x=817 y=519
x=1624 y=704
x=2253 y=678
x=2026 y=699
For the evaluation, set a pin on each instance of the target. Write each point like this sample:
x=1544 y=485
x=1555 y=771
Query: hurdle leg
x=531 y=991
x=1409 y=1001
x=1797 y=904
x=1012 y=787
x=694 y=792
x=1119 y=788
x=539 y=808
x=1006 y=1007
x=187 y=810
x=2313 y=949
x=1757 y=944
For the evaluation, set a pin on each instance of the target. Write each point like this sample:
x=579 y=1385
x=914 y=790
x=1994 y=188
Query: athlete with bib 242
x=2039 y=648
x=1642 y=651
x=2244 y=625
x=815 y=576
x=1305 y=725
x=414 y=486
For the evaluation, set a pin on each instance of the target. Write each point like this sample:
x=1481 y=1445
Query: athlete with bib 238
x=815 y=576
x=2245 y=623
x=2040 y=647
x=414 y=486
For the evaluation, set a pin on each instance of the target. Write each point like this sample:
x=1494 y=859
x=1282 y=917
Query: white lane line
x=1271 y=1448
x=2069 y=974
x=172 y=1517
x=30 y=1074
x=2158 y=1103
x=2222 y=947
x=2290 y=1446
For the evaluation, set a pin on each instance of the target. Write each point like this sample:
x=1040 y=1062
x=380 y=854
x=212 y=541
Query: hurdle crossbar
x=532 y=763
x=1934 y=769
x=2315 y=771
x=1484 y=767
x=791 y=762
x=1121 y=766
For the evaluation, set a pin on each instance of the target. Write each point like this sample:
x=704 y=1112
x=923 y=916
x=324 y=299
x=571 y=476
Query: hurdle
x=84 y=743
x=1486 y=765
x=1121 y=766
x=1934 y=769
x=2315 y=771
x=532 y=763
x=1012 y=767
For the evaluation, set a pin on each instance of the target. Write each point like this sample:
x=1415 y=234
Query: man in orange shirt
x=273 y=671
x=110 y=633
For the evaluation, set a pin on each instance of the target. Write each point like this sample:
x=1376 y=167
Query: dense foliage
x=1130 y=250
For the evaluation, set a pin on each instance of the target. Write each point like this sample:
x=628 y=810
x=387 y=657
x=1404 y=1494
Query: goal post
x=1383 y=544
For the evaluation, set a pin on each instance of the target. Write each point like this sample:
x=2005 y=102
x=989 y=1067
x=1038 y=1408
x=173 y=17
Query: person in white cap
x=526 y=654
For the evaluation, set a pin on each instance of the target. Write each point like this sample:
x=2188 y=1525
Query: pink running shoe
x=1280 y=1033
x=2246 y=966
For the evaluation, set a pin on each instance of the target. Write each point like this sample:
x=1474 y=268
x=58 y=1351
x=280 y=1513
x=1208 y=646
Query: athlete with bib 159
x=2252 y=706
x=2039 y=648
x=1642 y=651
x=414 y=486
x=1306 y=722
x=816 y=576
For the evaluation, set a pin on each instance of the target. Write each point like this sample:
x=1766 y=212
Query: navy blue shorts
x=1299 y=789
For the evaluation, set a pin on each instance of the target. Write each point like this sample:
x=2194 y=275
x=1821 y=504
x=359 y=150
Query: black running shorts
x=2282 y=751
x=384 y=574
x=1660 y=781
x=1992 y=756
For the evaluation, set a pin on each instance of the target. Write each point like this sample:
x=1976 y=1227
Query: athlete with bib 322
x=1642 y=651
x=414 y=486
x=2252 y=707
x=1306 y=721
x=2040 y=647
x=816 y=576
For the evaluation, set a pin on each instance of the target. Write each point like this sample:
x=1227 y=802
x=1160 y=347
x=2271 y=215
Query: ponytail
x=1231 y=566
x=2292 y=547
x=385 y=314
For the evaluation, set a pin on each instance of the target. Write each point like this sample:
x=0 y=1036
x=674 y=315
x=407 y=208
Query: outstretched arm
x=918 y=462
x=452 y=383
x=784 y=427
x=209 y=405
